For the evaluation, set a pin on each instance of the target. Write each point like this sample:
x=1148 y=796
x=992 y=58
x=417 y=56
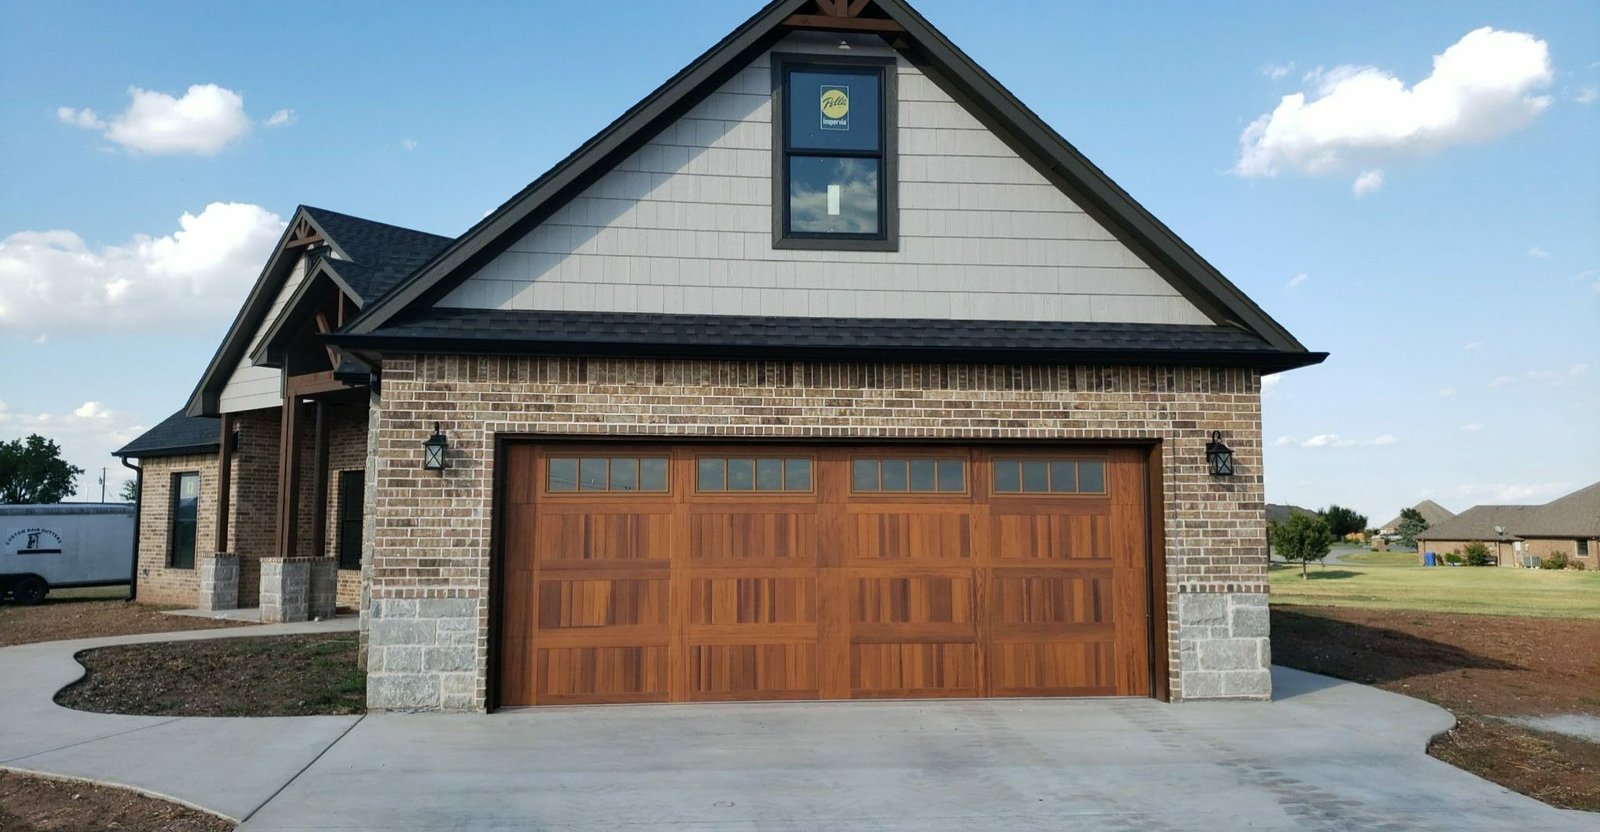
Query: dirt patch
x=1477 y=667
x=42 y=804
x=299 y=675
x=59 y=620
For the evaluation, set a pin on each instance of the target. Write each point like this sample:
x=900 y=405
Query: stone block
x=388 y=632
x=1249 y=622
x=1230 y=654
x=403 y=692
x=449 y=659
x=1247 y=684
x=219 y=582
x=1202 y=609
x=401 y=659
x=1200 y=684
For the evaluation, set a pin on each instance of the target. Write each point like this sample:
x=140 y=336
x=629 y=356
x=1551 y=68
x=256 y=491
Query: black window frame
x=173 y=523
x=888 y=236
x=1583 y=548
x=355 y=479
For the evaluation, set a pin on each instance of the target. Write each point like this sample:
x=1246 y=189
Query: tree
x=1411 y=525
x=1303 y=538
x=32 y=471
x=130 y=491
x=1343 y=521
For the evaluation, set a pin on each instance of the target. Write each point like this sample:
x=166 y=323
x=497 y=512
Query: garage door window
x=923 y=475
x=721 y=474
x=1049 y=476
x=614 y=474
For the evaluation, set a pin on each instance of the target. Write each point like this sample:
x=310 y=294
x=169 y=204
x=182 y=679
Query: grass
x=1383 y=558
x=1482 y=591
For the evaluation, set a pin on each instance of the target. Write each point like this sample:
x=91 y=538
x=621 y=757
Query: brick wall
x=428 y=622
x=159 y=584
x=252 y=530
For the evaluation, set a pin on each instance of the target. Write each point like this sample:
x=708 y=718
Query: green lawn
x=1384 y=558
x=1485 y=590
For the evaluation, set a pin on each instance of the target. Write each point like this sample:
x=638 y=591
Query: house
x=826 y=371
x=1431 y=512
x=1525 y=535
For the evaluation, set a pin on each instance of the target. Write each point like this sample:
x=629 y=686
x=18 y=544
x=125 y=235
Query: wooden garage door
x=651 y=573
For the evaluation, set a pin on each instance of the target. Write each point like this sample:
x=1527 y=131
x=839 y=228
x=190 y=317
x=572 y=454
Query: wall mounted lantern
x=1219 y=457
x=433 y=451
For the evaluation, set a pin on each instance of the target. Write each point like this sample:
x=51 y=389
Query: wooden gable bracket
x=304 y=234
x=842 y=16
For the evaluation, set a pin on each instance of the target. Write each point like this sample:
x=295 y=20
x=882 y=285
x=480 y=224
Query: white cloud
x=1334 y=440
x=1285 y=441
x=1481 y=87
x=84 y=118
x=281 y=118
x=1276 y=71
x=1298 y=279
x=1558 y=378
x=52 y=282
x=408 y=144
x=1538 y=253
x=1472 y=427
x=1587 y=95
x=1472 y=345
x=87 y=436
x=1446 y=392
x=1370 y=181
x=204 y=121
x=1269 y=384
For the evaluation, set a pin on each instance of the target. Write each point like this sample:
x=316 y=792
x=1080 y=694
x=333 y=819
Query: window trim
x=176 y=487
x=888 y=127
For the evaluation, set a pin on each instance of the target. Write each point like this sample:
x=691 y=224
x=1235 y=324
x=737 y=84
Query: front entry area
x=656 y=572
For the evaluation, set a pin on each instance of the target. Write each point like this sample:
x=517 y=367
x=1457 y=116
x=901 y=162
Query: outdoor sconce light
x=433 y=451
x=1219 y=457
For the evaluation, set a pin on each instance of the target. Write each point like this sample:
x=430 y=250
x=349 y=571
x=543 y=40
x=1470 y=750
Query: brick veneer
x=158 y=583
x=428 y=631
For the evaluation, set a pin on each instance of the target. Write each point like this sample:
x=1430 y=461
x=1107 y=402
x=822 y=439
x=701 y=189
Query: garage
x=705 y=572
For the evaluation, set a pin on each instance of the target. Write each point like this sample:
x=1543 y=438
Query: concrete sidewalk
x=226 y=765
x=1326 y=755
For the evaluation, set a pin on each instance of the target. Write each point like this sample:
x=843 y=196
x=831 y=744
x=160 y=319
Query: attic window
x=834 y=177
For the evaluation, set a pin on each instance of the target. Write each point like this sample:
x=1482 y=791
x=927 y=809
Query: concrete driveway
x=1326 y=755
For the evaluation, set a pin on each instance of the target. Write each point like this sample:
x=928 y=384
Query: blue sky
x=1458 y=292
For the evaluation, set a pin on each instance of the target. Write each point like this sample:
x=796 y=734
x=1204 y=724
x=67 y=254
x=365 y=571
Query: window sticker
x=835 y=107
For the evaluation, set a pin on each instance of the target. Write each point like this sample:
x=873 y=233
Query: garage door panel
x=753 y=671
x=914 y=600
x=889 y=535
x=602 y=674
x=603 y=537
x=1048 y=536
x=565 y=604
x=752 y=600
x=1077 y=597
x=771 y=536
x=914 y=669
x=1046 y=668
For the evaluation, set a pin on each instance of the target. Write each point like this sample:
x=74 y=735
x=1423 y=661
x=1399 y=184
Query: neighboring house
x=1525 y=535
x=1431 y=511
x=826 y=371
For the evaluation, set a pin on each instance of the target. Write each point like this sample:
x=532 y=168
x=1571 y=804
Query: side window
x=890 y=475
x=1049 y=476
x=730 y=474
x=834 y=155
x=185 y=519
x=352 y=505
x=606 y=473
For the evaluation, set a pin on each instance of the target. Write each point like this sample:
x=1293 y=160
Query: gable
x=684 y=226
x=250 y=387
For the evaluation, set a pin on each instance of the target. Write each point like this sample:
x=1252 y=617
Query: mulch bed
x=42 y=804
x=60 y=620
x=300 y=675
x=1478 y=667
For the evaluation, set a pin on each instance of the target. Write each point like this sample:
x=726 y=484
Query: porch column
x=219 y=570
x=324 y=577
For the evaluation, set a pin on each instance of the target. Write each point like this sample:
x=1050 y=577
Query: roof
x=934 y=54
x=377 y=255
x=372 y=259
x=1278 y=514
x=1431 y=511
x=1575 y=515
x=503 y=331
x=176 y=435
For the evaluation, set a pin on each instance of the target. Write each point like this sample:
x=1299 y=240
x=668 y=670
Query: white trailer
x=44 y=547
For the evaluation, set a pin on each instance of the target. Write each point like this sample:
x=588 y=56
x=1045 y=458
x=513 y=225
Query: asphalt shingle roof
x=1575 y=515
x=382 y=254
x=524 y=331
x=1431 y=512
x=177 y=434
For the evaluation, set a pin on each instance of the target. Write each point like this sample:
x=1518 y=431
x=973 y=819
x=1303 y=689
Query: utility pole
x=102 y=485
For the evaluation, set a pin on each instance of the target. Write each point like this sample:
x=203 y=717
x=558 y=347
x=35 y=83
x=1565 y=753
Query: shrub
x=1477 y=554
x=1454 y=558
x=1557 y=560
x=1577 y=565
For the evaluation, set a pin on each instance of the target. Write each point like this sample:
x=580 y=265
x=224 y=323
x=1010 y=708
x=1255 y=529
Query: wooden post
x=319 y=493
x=289 y=474
x=224 y=481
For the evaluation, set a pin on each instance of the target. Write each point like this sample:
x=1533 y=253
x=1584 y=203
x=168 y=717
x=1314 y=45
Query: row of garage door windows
x=867 y=475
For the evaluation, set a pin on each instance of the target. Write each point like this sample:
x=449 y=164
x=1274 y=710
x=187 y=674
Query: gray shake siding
x=684 y=225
